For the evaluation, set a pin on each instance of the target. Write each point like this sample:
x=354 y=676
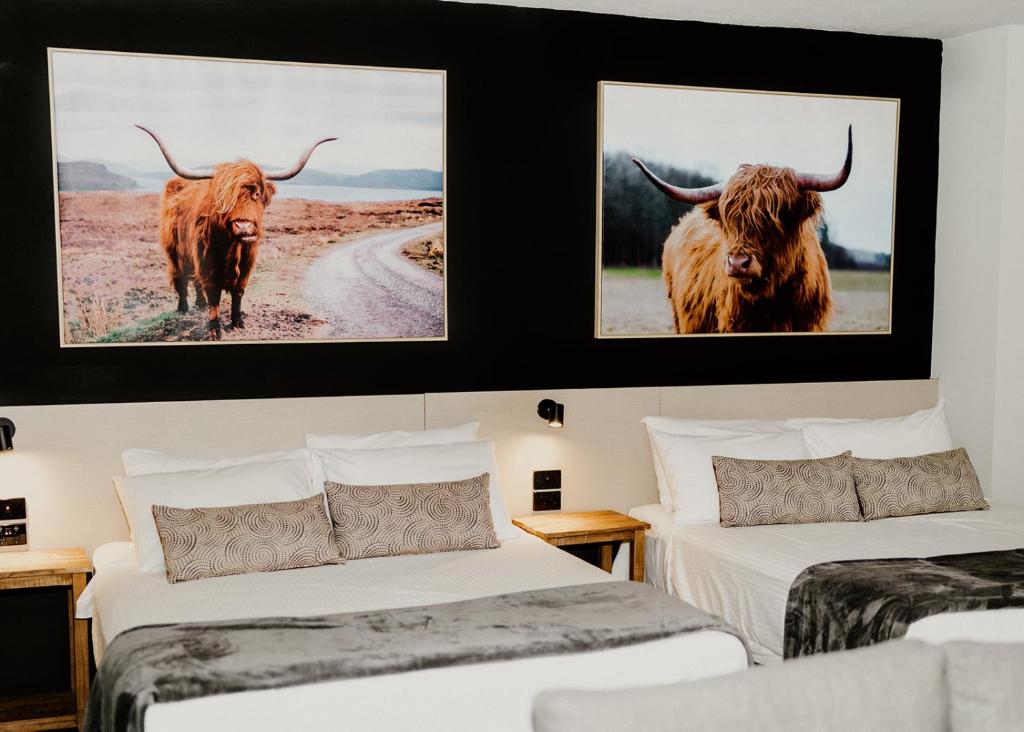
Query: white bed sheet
x=744 y=574
x=657 y=548
x=492 y=696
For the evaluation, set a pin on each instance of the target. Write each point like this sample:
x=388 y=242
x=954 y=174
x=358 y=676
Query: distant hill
x=126 y=170
x=95 y=175
x=413 y=178
x=314 y=177
x=405 y=179
x=82 y=175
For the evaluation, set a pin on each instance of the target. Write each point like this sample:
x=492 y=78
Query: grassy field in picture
x=630 y=273
x=634 y=301
x=852 y=280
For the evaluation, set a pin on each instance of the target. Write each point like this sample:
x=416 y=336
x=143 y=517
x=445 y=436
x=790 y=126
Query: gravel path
x=365 y=288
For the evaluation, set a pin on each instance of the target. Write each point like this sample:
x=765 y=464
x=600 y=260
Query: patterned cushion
x=757 y=492
x=419 y=518
x=933 y=483
x=259 y=537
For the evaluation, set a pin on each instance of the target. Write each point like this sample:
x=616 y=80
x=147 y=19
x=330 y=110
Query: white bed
x=492 y=696
x=744 y=574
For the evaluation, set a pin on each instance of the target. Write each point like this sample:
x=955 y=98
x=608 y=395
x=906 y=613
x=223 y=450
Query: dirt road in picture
x=366 y=288
x=634 y=302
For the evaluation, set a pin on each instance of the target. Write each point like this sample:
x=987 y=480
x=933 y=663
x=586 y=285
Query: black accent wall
x=522 y=141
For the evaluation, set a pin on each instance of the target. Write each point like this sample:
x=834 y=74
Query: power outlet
x=13 y=534
x=13 y=524
x=547 y=480
x=547 y=500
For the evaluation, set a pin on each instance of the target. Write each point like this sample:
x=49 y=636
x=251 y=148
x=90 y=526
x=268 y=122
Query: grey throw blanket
x=163 y=663
x=837 y=605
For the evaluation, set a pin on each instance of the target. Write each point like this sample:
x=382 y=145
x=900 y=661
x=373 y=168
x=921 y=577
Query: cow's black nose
x=739 y=262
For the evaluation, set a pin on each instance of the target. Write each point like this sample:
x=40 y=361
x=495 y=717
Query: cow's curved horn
x=297 y=168
x=686 y=195
x=822 y=183
x=178 y=170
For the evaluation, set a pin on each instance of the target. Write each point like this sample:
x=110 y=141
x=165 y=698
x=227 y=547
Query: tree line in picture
x=636 y=221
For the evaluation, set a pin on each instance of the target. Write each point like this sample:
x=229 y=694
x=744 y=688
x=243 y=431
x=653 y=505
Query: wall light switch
x=12 y=509
x=547 y=480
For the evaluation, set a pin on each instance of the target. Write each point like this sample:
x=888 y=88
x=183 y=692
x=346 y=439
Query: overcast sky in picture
x=714 y=132
x=210 y=111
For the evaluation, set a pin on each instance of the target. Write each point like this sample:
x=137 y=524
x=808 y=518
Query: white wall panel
x=865 y=399
x=602 y=450
x=65 y=456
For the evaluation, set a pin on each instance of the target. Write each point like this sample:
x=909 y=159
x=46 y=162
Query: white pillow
x=418 y=464
x=398 y=438
x=691 y=476
x=145 y=462
x=798 y=423
x=919 y=433
x=283 y=480
x=698 y=428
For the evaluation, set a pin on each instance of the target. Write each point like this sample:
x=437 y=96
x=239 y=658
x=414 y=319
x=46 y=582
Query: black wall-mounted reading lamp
x=6 y=434
x=552 y=411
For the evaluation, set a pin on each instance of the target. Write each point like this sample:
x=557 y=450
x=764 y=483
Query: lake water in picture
x=333 y=194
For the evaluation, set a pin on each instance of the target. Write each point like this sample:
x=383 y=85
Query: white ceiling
x=923 y=18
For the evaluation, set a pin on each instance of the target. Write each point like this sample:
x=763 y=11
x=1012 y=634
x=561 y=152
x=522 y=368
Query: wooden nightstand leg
x=636 y=556
x=607 y=555
x=79 y=651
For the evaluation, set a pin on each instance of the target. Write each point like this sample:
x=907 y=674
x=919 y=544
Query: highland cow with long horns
x=747 y=258
x=211 y=224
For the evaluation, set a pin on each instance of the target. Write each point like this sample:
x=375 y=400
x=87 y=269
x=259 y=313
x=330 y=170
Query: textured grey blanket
x=164 y=663
x=837 y=605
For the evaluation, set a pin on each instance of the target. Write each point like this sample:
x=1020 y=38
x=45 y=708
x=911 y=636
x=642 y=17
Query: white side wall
x=1008 y=430
x=978 y=351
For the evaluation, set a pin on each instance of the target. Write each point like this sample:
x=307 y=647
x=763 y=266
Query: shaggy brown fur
x=210 y=231
x=761 y=213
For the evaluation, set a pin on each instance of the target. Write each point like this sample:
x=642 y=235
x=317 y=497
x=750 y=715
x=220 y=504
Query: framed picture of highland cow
x=735 y=212
x=206 y=200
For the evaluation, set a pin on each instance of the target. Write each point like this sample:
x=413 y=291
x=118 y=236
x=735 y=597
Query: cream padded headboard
x=66 y=455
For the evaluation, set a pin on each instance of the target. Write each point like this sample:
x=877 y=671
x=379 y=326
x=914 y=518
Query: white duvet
x=744 y=574
x=492 y=696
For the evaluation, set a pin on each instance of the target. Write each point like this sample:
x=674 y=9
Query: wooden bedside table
x=592 y=527
x=50 y=568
